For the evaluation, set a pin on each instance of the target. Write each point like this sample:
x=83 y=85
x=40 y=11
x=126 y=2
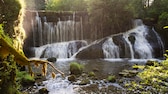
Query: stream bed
x=97 y=85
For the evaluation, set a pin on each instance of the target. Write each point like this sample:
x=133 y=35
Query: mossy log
x=6 y=48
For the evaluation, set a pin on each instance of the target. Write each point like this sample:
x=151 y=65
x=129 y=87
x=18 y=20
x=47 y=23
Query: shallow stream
x=102 y=69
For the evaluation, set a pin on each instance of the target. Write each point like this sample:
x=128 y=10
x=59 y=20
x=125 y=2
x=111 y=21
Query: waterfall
x=64 y=38
x=138 y=46
x=46 y=32
x=138 y=43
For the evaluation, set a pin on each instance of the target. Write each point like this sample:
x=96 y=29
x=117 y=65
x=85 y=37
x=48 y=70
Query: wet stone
x=72 y=78
x=43 y=91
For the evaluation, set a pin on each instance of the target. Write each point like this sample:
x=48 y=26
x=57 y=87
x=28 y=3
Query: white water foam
x=110 y=50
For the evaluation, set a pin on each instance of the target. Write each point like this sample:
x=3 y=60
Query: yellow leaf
x=44 y=69
x=36 y=64
x=53 y=75
x=165 y=27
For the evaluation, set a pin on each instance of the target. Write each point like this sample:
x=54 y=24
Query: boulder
x=52 y=59
x=43 y=91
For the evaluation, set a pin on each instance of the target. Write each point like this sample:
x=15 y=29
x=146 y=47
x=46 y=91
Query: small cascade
x=137 y=42
x=110 y=50
x=141 y=46
x=59 y=50
x=159 y=41
x=126 y=37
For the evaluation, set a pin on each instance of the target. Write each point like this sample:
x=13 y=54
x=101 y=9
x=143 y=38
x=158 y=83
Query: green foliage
x=157 y=8
x=162 y=20
x=2 y=34
x=66 y=5
x=9 y=11
x=109 y=16
x=153 y=78
x=8 y=70
x=136 y=7
x=24 y=75
x=76 y=68
x=35 y=4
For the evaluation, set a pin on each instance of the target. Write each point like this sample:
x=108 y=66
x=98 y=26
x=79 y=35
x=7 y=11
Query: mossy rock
x=91 y=74
x=76 y=68
x=25 y=78
x=27 y=82
x=43 y=91
x=150 y=63
x=39 y=77
x=128 y=73
x=72 y=78
x=111 y=78
x=84 y=82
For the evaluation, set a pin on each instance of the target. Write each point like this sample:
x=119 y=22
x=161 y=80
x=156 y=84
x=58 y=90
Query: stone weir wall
x=45 y=27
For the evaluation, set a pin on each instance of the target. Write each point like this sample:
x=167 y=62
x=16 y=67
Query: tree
x=66 y=5
x=137 y=8
x=35 y=4
x=109 y=16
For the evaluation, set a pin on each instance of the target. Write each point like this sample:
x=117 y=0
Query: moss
x=138 y=67
x=8 y=70
x=128 y=73
x=84 y=82
x=153 y=78
x=91 y=74
x=76 y=68
x=25 y=78
x=111 y=78
x=9 y=11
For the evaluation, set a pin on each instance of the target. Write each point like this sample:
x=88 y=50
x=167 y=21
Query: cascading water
x=139 y=42
x=110 y=50
x=139 y=46
x=126 y=36
x=59 y=50
x=54 y=39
